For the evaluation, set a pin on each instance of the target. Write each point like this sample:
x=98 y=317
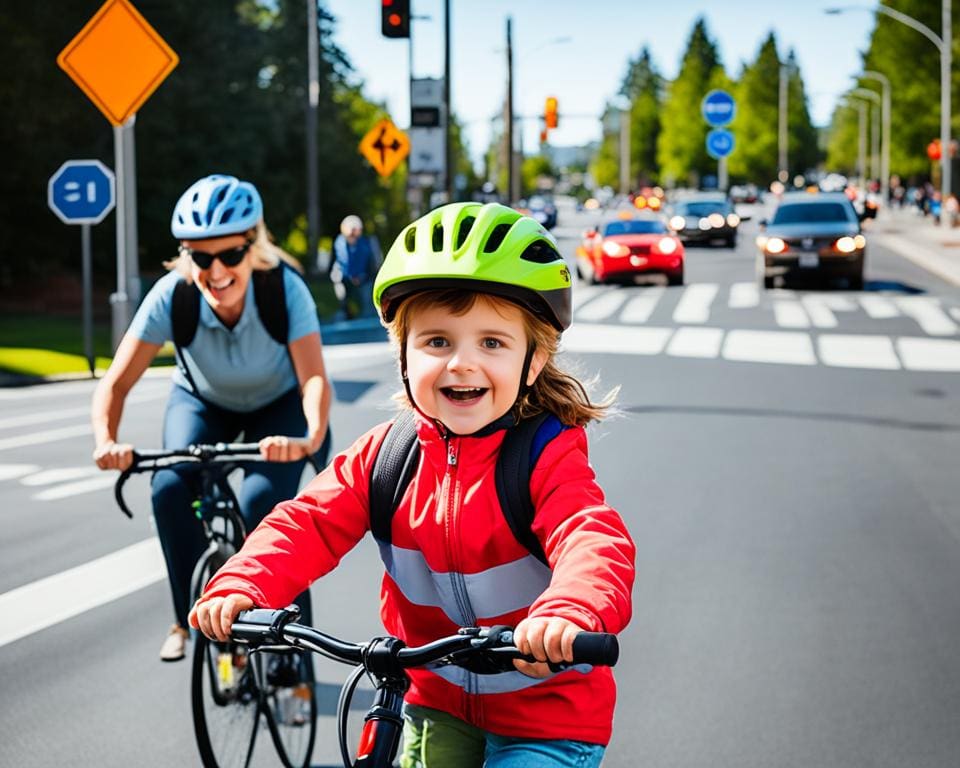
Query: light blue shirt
x=240 y=368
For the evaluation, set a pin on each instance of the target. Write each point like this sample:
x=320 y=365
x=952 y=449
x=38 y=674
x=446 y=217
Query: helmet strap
x=531 y=348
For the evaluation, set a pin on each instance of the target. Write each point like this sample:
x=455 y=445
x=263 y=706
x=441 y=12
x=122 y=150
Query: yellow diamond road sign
x=118 y=60
x=385 y=146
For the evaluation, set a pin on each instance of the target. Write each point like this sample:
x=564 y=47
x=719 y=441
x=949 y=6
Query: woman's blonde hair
x=264 y=254
x=554 y=390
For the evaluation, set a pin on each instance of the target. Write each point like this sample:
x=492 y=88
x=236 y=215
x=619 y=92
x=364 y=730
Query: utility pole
x=446 y=98
x=508 y=117
x=313 y=100
x=782 y=136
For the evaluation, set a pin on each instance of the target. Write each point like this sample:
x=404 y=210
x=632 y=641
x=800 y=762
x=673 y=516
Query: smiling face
x=464 y=369
x=224 y=287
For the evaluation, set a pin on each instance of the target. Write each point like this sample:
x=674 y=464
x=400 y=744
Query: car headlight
x=612 y=248
x=677 y=222
x=860 y=241
x=716 y=220
x=845 y=245
x=732 y=220
x=667 y=245
x=775 y=245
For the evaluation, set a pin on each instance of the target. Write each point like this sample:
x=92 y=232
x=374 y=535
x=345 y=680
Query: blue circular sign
x=82 y=192
x=720 y=143
x=718 y=108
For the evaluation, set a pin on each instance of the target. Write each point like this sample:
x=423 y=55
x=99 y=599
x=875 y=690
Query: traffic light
x=395 y=18
x=550 y=112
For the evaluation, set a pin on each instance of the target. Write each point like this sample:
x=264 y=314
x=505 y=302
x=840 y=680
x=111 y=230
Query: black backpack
x=399 y=455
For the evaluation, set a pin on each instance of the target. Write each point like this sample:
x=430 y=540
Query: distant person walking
x=356 y=259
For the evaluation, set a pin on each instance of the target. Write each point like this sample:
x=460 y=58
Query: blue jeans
x=188 y=419
x=504 y=752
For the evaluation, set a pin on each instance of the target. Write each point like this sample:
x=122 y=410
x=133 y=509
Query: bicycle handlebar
x=197 y=453
x=278 y=628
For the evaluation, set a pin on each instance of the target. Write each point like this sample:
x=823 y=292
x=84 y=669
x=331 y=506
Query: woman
x=234 y=378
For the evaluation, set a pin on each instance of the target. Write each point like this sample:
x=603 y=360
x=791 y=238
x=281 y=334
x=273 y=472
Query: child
x=475 y=297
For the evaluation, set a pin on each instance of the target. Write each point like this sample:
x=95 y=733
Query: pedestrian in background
x=356 y=259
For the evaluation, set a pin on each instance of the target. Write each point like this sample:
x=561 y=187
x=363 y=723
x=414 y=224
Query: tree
x=681 y=149
x=643 y=86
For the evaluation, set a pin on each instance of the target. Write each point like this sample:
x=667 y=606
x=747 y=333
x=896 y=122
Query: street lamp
x=866 y=93
x=861 y=108
x=782 y=135
x=885 y=141
x=944 y=45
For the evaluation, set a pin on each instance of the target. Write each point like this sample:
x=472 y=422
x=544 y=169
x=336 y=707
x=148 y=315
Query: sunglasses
x=229 y=258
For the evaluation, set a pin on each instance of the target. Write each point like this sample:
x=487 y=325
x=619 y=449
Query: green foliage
x=643 y=85
x=532 y=171
x=755 y=125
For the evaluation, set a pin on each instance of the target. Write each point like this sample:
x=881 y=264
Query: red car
x=625 y=249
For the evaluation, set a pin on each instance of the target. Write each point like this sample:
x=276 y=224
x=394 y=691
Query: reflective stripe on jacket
x=453 y=562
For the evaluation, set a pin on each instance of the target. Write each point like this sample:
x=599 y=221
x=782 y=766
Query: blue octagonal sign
x=82 y=192
x=718 y=108
x=720 y=143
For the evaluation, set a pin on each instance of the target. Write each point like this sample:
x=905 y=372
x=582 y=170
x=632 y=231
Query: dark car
x=542 y=209
x=704 y=219
x=812 y=235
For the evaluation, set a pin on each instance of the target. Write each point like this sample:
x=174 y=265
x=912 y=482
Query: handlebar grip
x=600 y=648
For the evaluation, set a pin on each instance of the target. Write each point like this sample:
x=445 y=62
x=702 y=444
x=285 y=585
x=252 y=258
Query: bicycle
x=229 y=691
x=385 y=661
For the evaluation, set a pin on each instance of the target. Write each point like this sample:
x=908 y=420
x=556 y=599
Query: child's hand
x=546 y=639
x=214 y=617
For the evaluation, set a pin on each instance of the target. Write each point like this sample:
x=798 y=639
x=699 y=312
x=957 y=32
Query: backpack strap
x=519 y=452
x=393 y=470
x=270 y=295
x=185 y=313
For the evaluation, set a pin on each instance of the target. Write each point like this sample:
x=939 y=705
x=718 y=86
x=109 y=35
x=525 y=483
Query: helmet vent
x=496 y=237
x=465 y=226
x=540 y=252
x=438 y=238
x=227 y=216
x=410 y=239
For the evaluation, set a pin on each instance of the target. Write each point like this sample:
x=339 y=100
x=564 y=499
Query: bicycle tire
x=292 y=716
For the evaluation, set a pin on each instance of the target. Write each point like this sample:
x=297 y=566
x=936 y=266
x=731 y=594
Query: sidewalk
x=915 y=237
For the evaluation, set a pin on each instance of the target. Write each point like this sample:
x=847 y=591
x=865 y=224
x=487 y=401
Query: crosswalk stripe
x=47 y=436
x=920 y=354
x=790 y=314
x=60 y=475
x=955 y=313
x=603 y=306
x=696 y=342
x=616 y=339
x=819 y=311
x=927 y=312
x=879 y=307
x=40 y=417
x=694 y=305
x=784 y=347
x=584 y=293
x=744 y=295
x=53 y=599
x=13 y=471
x=845 y=351
x=639 y=309
x=67 y=490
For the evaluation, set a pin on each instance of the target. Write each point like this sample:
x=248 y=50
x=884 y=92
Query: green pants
x=434 y=739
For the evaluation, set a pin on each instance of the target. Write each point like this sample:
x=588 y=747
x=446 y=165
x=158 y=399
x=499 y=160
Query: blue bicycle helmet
x=215 y=206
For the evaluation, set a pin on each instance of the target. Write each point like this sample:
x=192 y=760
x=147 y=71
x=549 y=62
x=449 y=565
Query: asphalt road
x=785 y=462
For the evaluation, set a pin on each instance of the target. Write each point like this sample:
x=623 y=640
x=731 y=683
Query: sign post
x=718 y=109
x=118 y=60
x=385 y=146
x=83 y=192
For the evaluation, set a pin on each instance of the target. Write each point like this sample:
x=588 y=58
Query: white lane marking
x=920 y=354
x=927 y=312
x=790 y=314
x=769 y=347
x=879 y=307
x=603 y=307
x=56 y=598
x=616 y=339
x=696 y=342
x=639 y=309
x=74 y=489
x=13 y=471
x=955 y=313
x=47 y=436
x=819 y=310
x=846 y=351
x=59 y=475
x=68 y=413
x=744 y=295
x=694 y=305
x=584 y=293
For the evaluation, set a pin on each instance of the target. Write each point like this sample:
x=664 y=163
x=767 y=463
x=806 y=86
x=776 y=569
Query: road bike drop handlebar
x=198 y=453
x=482 y=650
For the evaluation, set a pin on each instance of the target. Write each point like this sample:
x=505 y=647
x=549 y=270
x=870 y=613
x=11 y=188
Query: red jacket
x=454 y=562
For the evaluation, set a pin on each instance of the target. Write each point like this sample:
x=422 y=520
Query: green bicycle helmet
x=488 y=248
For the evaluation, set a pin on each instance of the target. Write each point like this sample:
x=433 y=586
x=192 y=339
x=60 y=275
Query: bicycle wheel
x=226 y=705
x=291 y=707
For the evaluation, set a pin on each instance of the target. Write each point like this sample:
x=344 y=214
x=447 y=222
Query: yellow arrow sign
x=385 y=146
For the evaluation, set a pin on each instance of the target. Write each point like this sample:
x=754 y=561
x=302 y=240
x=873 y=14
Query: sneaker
x=174 y=647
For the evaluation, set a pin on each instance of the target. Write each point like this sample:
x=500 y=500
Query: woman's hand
x=546 y=639
x=282 y=448
x=113 y=455
x=215 y=617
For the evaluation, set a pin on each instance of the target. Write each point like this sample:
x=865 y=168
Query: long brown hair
x=554 y=390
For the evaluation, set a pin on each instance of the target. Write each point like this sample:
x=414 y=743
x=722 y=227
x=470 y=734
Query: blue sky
x=577 y=51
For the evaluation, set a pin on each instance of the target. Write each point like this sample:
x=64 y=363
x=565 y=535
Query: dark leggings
x=189 y=419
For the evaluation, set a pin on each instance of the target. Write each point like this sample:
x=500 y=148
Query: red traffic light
x=395 y=18
x=550 y=116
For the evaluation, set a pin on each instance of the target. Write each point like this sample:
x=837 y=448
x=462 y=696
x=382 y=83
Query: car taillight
x=845 y=245
x=612 y=248
x=666 y=245
x=775 y=245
